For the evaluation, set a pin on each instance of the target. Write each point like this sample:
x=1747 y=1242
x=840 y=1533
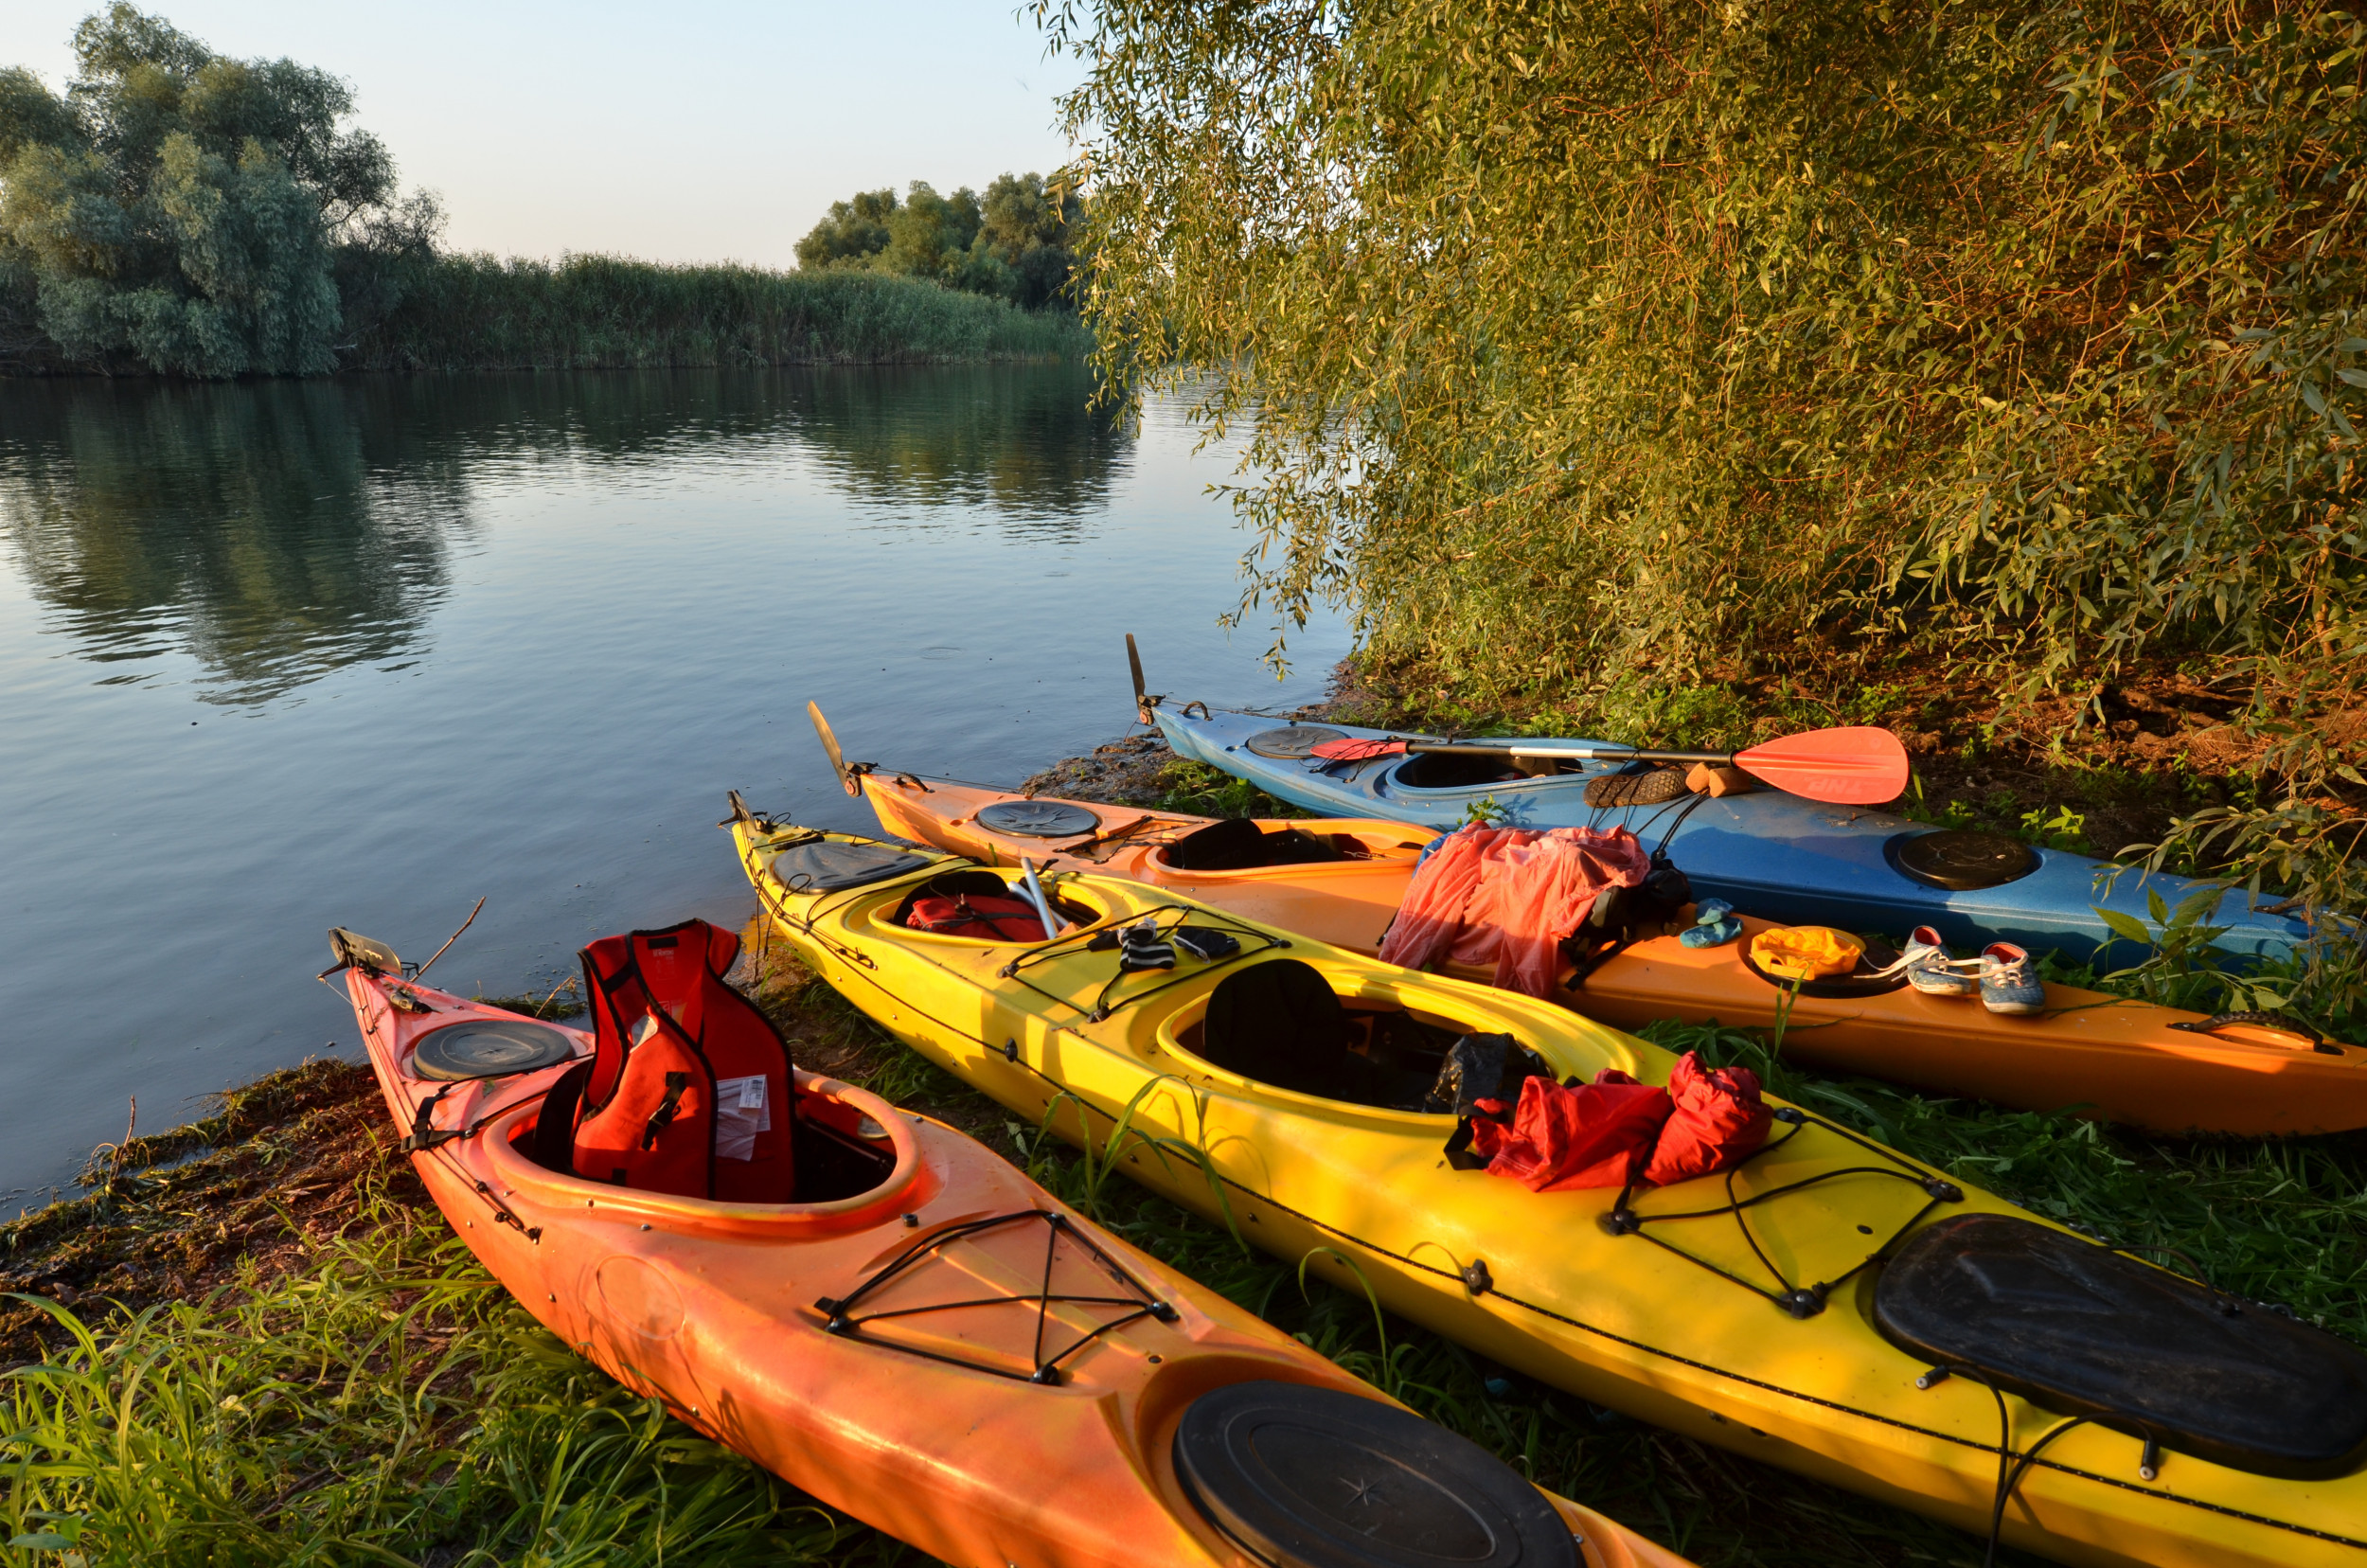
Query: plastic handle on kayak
x=2279 y=1021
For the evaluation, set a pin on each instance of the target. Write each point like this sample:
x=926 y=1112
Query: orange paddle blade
x=1857 y=765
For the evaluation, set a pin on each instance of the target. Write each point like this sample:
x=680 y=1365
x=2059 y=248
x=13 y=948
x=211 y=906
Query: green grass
x=388 y=1404
x=476 y=312
x=565 y=999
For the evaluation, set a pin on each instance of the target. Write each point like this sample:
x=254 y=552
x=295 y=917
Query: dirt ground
x=177 y=1216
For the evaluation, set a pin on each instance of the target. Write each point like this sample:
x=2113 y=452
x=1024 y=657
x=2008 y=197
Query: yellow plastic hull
x=1614 y=1319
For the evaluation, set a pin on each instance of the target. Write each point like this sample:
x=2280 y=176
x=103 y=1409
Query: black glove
x=1206 y=943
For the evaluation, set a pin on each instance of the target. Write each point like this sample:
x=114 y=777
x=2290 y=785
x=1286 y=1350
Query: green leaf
x=2199 y=904
x=2125 y=925
x=2155 y=907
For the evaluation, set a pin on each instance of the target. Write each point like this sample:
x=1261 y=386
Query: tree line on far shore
x=1014 y=243
x=178 y=212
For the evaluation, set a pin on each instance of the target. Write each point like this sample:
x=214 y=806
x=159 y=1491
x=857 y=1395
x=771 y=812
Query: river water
x=281 y=655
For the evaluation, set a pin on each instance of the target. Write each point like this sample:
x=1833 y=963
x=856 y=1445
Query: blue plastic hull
x=1770 y=854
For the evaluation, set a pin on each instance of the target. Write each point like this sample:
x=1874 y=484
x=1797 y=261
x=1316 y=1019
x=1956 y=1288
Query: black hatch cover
x=825 y=866
x=2084 y=1330
x=1291 y=742
x=1037 y=818
x=1306 y=1477
x=1960 y=858
x=489 y=1048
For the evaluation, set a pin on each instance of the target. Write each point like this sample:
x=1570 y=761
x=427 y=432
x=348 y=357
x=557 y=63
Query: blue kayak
x=1770 y=854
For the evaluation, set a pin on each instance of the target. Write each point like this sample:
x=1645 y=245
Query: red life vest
x=689 y=1087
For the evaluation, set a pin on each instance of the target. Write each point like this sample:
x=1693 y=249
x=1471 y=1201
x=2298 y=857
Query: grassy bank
x=586 y=312
x=274 y=1349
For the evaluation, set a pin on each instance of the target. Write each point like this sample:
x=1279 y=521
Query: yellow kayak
x=1827 y=1305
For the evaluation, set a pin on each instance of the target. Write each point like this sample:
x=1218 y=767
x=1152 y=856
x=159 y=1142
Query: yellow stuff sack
x=1806 y=953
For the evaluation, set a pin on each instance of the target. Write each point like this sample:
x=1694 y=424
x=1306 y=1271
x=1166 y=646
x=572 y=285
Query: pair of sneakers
x=2004 y=977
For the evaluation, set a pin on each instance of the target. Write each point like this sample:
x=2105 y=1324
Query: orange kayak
x=930 y=1342
x=2126 y=1061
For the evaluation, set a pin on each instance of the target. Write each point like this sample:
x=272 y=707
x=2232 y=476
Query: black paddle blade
x=1142 y=701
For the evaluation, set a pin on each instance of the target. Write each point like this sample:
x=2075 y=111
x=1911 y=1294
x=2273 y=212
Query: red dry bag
x=1719 y=1121
x=1594 y=1134
x=980 y=915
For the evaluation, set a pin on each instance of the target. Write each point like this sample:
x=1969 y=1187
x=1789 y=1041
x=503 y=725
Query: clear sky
x=701 y=130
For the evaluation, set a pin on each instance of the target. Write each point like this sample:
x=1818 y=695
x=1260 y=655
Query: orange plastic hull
x=2110 y=1057
x=711 y=1307
x=1347 y=903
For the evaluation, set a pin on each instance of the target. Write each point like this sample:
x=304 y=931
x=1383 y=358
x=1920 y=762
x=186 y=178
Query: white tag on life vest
x=742 y=1110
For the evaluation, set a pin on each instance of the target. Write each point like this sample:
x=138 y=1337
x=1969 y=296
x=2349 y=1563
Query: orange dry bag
x=688 y=1090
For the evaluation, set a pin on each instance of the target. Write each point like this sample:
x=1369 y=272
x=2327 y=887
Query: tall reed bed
x=478 y=312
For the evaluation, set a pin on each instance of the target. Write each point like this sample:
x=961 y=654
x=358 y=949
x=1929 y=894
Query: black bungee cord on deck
x=2011 y=1467
x=1105 y=938
x=1801 y=1301
x=1140 y=1301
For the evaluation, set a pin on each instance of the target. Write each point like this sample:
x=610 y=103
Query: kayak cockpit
x=1288 y=1026
x=1245 y=843
x=977 y=907
x=859 y=1164
x=1462 y=771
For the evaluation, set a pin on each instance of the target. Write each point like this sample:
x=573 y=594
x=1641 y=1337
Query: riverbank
x=266 y=1311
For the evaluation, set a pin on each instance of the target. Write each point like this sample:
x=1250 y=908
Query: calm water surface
x=279 y=656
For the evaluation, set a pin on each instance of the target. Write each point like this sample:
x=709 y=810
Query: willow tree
x=1579 y=333
x=1627 y=339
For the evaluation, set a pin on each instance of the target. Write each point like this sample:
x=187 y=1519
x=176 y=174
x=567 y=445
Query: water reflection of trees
x=1019 y=439
x=1016 y=440
x=249 y=525
x=277 y=530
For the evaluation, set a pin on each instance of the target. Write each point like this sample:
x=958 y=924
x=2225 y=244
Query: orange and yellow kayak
x=933 y=1343
x=2124 y=1060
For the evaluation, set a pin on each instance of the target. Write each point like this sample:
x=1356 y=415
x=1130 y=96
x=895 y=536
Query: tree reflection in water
x=277 y=530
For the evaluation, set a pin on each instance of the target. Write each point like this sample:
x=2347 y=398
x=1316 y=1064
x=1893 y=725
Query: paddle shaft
x=1582 y=753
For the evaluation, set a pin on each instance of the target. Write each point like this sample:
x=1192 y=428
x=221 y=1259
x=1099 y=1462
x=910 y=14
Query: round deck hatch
x=1037 y=818
x=1960 y=858
x=1291 y=742
x=489 y=1048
